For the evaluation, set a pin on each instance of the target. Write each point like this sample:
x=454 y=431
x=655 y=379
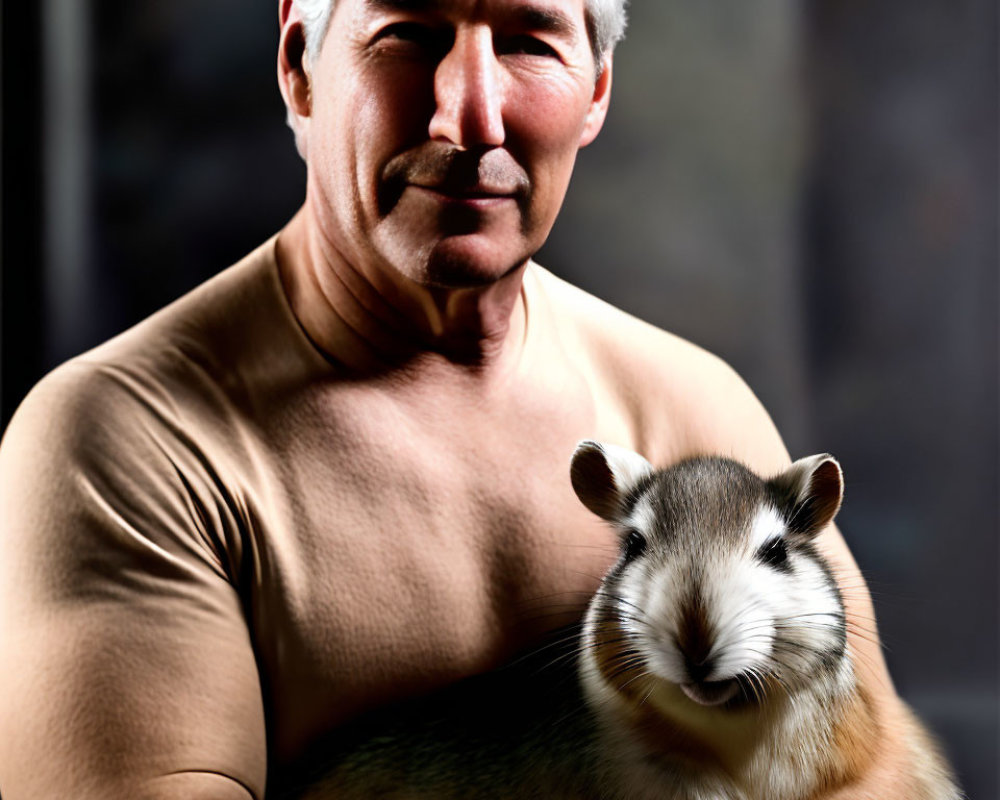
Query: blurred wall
x=808 y=189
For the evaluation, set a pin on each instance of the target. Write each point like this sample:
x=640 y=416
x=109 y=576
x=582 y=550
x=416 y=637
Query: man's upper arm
x=126 y=666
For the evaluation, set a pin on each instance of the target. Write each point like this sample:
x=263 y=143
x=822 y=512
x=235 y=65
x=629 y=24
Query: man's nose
x=468 y=92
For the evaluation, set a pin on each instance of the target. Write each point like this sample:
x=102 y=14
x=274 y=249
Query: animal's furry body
x=712 y=663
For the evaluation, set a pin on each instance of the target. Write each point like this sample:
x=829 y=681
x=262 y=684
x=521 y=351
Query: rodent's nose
x=698 y=669
x=695 y=639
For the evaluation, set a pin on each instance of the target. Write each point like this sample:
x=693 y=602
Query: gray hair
x=605 y=24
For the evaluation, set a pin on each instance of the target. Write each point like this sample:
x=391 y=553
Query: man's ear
x=293 y=73
x=598 y=103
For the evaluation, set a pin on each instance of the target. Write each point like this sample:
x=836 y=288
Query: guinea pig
x=713 y=663
x=715 y=654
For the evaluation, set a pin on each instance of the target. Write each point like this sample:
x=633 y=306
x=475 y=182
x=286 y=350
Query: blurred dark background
x=807 y=188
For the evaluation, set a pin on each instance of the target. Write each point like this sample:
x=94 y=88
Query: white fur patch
x=642 y=518
x=740 y=605
x=627 y=467
x=767 y=525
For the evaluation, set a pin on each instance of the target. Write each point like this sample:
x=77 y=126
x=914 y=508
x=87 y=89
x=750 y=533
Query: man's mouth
x=475 y=195
x=458 y=179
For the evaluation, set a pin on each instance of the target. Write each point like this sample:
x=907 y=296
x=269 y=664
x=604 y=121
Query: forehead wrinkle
x=373 y=8
x=402 y=5
x=528 y=15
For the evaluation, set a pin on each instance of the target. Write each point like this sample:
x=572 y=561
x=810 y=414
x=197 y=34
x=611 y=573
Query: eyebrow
x=402 y=5
x=545 y=20
x=524 y=14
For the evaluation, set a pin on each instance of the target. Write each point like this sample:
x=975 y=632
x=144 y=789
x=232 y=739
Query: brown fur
x=695 y=636
x=616 y=661
x=855 y=741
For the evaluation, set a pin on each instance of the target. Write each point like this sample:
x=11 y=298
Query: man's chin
x=466 y=262
x=451 y=246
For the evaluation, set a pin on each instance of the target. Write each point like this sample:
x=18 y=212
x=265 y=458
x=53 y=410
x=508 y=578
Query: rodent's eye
x=634 y=545
x=775 y=554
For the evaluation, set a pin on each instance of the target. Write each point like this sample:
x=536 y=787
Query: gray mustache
x=450 y=169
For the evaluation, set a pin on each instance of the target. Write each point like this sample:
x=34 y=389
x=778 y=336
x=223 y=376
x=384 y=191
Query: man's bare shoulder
x=682 y=399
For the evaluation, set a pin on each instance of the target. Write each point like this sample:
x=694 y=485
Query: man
x=336 y=475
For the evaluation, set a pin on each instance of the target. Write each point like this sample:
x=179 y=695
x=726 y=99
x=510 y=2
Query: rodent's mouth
x=711 y=693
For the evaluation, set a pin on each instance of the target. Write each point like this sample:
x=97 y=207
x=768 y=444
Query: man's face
x=442 y=133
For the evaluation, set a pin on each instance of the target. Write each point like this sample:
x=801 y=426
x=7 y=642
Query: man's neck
x=372 y=320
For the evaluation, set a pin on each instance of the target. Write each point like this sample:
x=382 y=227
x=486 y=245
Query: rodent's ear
x=603 y=473
x=811 y=491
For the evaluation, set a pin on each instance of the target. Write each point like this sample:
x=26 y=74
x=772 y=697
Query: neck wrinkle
x=381 y=322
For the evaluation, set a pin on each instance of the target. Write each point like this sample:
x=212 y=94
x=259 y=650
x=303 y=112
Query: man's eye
x=523 y=44
x=416 y=35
